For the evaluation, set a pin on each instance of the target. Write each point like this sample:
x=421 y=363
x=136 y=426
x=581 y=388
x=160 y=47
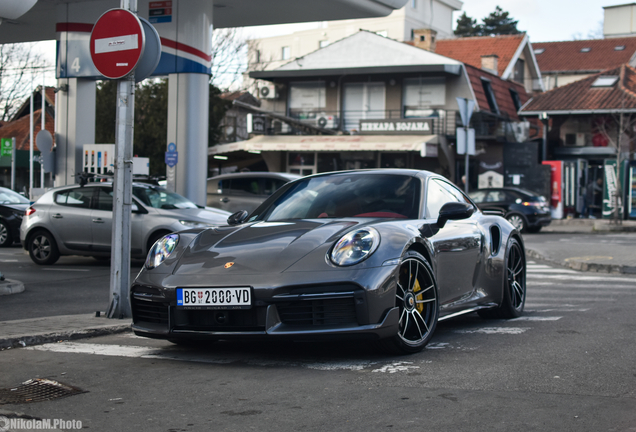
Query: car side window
x=437 y=194
x=80 y=198
x=105 y=199
x=272 y=185
x=454 y=191
x=242 y=186
x=479 y=196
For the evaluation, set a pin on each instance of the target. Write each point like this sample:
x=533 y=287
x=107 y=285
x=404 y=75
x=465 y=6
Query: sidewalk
x=617 y=256
x=35 y=331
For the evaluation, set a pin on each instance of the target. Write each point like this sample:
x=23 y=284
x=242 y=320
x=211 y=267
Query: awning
x=425 y=144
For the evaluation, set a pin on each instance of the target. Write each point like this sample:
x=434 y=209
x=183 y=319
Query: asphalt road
x=566 y=365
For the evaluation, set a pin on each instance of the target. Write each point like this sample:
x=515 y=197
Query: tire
x=518 y=221
x=5 y=235
x=514 y=285
x=416 y=296
x=42 y=248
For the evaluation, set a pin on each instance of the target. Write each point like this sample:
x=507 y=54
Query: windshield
x=347 y=195
x=160 y=198
x=7 y=196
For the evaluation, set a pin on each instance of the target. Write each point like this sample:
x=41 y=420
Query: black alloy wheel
x=42 y=248
x=5 y=235
x=514 y=293
x=416 y=297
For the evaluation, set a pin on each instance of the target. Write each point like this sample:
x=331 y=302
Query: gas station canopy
x=39 y=23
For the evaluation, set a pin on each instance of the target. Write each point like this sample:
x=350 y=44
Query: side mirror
x=454 y=211
x=238 y=218
x=134 y=208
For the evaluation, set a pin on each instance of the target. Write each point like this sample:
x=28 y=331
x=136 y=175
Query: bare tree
x=619 y=131
x=19 y=64
x=229 y=57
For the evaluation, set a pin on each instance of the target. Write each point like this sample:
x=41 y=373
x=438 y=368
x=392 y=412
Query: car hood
x=264 y=247
x=198 y=215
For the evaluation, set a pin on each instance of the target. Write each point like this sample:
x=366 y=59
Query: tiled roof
x=581 y=96
x=568 y=57
x=24 y=109
x=20 y=130
x=501 y=89
x=470 y=49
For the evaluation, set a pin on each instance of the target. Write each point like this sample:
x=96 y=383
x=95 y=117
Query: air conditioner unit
x=267 y=91
x=326 y=121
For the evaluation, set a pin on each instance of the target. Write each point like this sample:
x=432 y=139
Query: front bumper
x=309 y=310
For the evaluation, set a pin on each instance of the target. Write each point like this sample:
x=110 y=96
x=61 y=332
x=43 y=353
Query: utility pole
x=465 y=135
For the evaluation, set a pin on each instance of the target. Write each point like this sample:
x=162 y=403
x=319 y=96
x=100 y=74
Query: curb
x=29 y=340
x=10 y=286
x=584 y=266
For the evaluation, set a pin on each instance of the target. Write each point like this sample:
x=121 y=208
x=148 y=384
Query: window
x=515 y=99
x=437 y=195
x=363 y=101
x=422 y=96
x=539 y=51
x=586 y=49
x=80 y=198
x=413 y=4
x=605 y=81
x=619 y=48
x=285 y=53
x=257 y=56
x=490 y=95
x=105 y=199
x=307 y=100
x=323 y=43
x=519 y=71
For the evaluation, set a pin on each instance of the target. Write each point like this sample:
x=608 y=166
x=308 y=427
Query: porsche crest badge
x=228 y=265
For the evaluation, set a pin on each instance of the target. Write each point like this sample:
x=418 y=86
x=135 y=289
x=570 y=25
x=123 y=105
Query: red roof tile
x=567 y=56
x=20 y=130
x=501 y=89
x=581 y=96
x=470 y=49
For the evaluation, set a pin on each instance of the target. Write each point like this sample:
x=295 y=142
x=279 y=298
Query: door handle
x=57 y=216
x=98 y=220
x=225 y=200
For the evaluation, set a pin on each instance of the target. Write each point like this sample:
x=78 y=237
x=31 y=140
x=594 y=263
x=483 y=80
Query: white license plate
x=214 y=298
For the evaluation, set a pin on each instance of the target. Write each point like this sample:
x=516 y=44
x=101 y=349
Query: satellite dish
x=14 y=9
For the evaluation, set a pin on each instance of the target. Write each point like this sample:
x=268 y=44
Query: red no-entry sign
x=117 y=43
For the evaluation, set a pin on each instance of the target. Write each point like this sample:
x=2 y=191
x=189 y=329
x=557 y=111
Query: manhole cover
x=37 y=390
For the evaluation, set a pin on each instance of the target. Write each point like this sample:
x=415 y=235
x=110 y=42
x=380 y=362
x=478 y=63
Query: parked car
x=12 y=208
x=376 y=254
x=77 y=220
x=244 y=191
x=526 y=210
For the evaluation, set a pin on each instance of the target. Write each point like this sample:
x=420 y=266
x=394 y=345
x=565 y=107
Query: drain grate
x=37 y=390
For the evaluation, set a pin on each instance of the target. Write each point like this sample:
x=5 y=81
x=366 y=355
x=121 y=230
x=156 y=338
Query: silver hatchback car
x=77 y=220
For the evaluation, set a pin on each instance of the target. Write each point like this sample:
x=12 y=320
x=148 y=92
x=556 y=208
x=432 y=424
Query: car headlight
x=355 y=246
x=193 y=224
x=161 y=250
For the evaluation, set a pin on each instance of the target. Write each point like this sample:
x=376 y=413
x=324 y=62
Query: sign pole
x=13 y=163
x=31 y=149
x=43 y=127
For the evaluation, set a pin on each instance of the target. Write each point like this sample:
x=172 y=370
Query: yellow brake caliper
x=416 y=289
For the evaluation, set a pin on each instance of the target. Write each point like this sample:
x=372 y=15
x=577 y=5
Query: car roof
x=381 y=171
x=250 y=174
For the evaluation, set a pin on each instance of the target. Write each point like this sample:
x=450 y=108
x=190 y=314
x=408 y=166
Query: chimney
x=425 y=39
x=489 y=63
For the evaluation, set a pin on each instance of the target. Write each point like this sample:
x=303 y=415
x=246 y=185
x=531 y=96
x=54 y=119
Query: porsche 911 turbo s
x=376 y=254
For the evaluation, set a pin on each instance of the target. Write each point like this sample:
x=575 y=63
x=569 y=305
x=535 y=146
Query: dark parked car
x=12 y=208
x=244 y=191
x=376 y=254
x=526 y=210
x=77 y=220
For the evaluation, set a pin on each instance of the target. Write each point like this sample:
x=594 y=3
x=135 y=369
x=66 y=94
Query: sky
x=543 y=20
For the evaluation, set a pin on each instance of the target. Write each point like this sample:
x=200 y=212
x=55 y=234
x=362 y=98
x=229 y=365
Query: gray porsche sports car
x=377 y=254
